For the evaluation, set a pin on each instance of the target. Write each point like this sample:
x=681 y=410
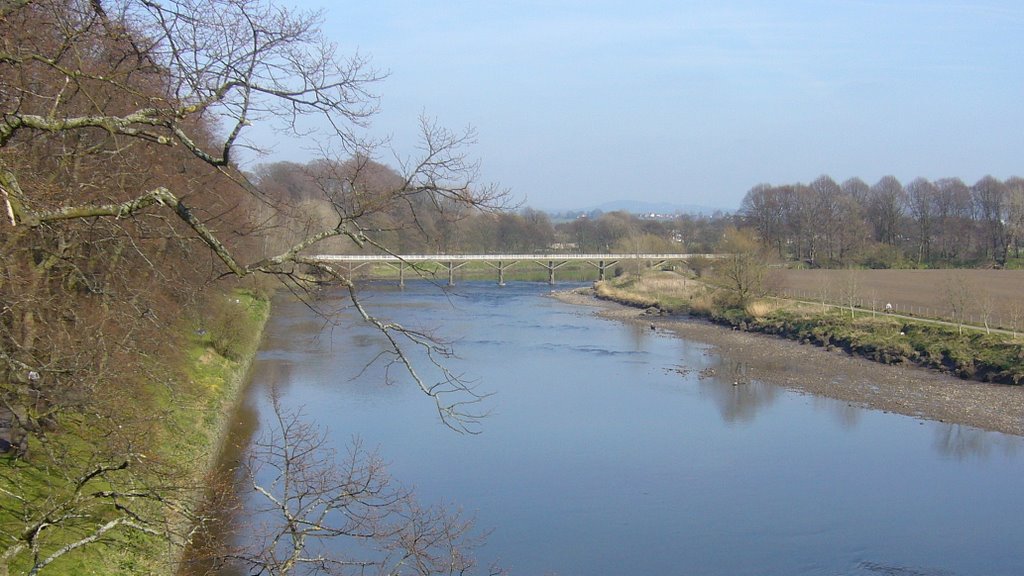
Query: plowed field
x=997 y=294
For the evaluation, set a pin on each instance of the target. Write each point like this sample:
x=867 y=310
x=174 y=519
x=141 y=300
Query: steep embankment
x=218 y=362
x=94 y=498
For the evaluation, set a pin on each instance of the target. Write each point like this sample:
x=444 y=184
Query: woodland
x=128 y=234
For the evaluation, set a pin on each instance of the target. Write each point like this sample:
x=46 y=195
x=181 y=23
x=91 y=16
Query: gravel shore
x=835 y=374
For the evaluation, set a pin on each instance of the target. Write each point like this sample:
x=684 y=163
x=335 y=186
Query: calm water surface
x=613 y=449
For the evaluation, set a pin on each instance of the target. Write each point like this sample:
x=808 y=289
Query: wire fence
x=984 y=321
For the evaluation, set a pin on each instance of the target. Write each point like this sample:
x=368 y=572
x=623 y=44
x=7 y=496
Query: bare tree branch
x=302 y=496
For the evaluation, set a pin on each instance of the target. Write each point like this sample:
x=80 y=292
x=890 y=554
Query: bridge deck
x=500 y=262
x=499 y=257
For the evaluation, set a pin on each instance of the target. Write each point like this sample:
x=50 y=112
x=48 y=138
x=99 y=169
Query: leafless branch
x=302 y=497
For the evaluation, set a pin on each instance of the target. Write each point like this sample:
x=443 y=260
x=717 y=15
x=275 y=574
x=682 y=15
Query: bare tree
x=954 y=218
x=91 y=502
x=959 y=297
x=1015 y=213
x=849 y=290
x=742 y=271
x=253 y=62
x=763 y=208
x=990 y=203
x=922 y=200
x=852 y=233
x=825 y=291
x=986 y=308
x=121 y=124
x=800 y=208
x=827 y=210
x=313 y=512
x=885 y=209
x=857 y=189
x=1016 y=316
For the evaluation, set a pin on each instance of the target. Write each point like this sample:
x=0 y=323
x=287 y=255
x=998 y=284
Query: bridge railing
x=550 y=261
x=502 y=257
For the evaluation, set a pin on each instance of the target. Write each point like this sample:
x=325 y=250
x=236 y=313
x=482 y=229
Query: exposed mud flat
x=809 y=369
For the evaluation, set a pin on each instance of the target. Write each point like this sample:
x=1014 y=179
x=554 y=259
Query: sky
x=577 y=103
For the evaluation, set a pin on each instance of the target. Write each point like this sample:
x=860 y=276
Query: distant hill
x=641 y=207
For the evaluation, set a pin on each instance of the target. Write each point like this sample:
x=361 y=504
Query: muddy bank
x=835 y=374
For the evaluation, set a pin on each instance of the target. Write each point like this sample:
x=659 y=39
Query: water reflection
x=739 y=397
x=614 y=448
x=641 y=333
x=963 y=442
x=202 y=556
x=846 y=414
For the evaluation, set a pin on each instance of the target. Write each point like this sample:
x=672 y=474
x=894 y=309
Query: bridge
x=500 y=262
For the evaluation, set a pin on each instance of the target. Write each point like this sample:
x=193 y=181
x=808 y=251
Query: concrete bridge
x=500 y=262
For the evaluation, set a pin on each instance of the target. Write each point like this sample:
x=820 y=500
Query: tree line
x=945 y=223
x=422 y=225
x=924 y=223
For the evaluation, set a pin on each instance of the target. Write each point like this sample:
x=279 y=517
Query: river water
x=614 y=449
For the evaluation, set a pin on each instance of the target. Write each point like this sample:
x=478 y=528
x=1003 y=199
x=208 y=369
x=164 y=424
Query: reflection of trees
x=847 y=414
x=738 y=396
x=960 y=441
x=219 y=509
x=639 y=333
x=309 y=510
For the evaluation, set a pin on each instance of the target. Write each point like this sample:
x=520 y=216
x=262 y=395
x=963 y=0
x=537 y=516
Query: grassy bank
x=667 y=292
x=971 y=355
x=173 y=423
x=219 y=350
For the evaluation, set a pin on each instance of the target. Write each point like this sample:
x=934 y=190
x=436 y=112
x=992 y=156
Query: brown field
x=998 y=294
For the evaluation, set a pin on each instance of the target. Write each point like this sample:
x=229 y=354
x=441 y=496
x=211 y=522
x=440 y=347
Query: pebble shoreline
x=908 y=390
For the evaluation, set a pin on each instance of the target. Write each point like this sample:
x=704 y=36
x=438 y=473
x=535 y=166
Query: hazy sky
x=581 y=102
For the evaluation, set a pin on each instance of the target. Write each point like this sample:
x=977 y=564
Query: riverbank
x=218 y=365
x=901 y=389
x=114 y=491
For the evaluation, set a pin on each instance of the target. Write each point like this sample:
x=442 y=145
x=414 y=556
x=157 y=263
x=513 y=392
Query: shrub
x=761 y=308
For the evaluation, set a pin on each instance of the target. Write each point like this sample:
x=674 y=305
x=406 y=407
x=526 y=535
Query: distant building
x=563 y=247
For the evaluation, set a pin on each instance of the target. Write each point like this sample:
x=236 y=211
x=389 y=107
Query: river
x=612 y=448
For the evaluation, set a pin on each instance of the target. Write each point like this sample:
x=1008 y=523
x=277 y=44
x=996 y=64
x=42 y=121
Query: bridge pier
x=551 y=267
x=452 y=267
x=401 y=272
x=500 y=267
x=602 y=266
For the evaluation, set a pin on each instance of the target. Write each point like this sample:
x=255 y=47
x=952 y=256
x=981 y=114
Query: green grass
x=178 y=436
x=974 y=355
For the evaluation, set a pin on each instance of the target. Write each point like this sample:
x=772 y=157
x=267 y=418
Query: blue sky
x=581 y=102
